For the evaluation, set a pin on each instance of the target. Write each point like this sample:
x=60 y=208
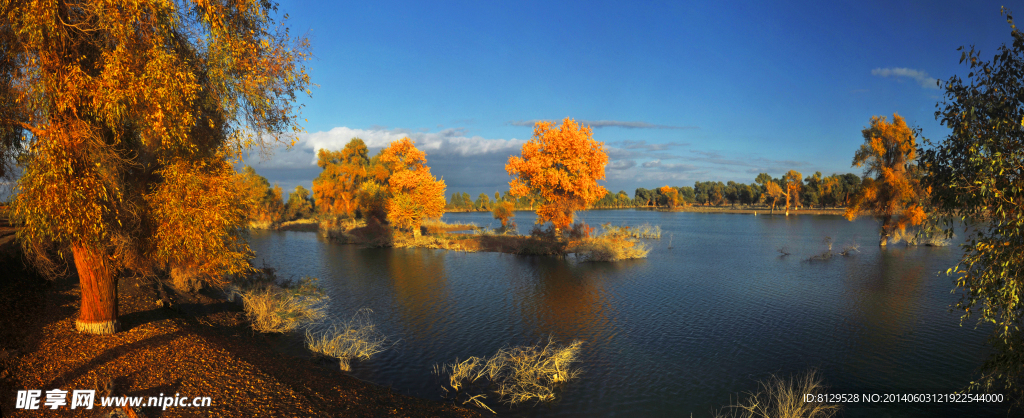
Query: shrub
x=284 y=309
x=356 y=339
x=784 y=399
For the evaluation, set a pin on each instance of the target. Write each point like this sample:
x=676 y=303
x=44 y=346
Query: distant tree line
x=792 y=190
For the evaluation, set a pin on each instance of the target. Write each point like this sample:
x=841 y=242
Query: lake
x=712 y=310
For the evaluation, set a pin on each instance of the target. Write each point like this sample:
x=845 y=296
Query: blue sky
x=678 y=91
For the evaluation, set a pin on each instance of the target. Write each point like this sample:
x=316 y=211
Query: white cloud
x=448 y=142
x=608 y=124
x=920 y=76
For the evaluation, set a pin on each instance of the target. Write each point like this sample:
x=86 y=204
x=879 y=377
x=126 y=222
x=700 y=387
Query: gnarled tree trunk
x=98 y=313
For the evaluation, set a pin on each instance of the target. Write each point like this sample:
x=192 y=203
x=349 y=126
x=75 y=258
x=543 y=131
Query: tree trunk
x=98 y=312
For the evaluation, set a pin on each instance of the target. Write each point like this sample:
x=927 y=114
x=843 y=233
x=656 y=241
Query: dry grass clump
x=357 y=338
x=283 y=309
x=779 y=398
x=260 y=224
x=428 y=241
x=515 y=374
x=644 y=231
x=931 y=237
x=435 y=226
x=610 y=249
x=616 y=243
x=338 y=228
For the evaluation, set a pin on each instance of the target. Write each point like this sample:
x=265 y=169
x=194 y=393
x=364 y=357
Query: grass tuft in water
x=275 y=309
x=516 y=374
x=779 y=398
x=356 y=339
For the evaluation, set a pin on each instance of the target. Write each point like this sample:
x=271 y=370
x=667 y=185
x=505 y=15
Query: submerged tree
x=130 y=114
x=894 y=194
x=336 y=189
x=977 y=175
x=563 y=165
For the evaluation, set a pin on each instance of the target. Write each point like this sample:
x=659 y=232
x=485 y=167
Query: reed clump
x=616 y=243
x=355 y=339
x=610 y=249
x=931 y=237
x=436 y=226
x=643 y=231
x=278 y=309
x=515 y=374
x=778 y=398
x=442 y=242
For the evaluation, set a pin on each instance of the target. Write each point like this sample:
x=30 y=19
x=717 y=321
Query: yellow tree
x=336 y=188
x=267 y=200
x=131 y=112
x=829 y=185
x=793 y=183
x=562 y=164
x=504 y=211
x=413 y=194
x=671 y=196
x=772 y=192
x=894 y=195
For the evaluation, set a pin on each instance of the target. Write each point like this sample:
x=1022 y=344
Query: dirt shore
x=199 y=346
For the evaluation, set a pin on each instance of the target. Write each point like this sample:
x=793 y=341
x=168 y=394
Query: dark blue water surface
x=712 y=310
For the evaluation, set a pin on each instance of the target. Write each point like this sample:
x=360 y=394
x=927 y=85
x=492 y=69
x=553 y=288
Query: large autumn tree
x=977 y=176
x=131 y=114
x=269 y=206
x=671 y=195
x=336 y=189
x=792 y=185
x=562 y=164
x=402 y=187
x=891 y=190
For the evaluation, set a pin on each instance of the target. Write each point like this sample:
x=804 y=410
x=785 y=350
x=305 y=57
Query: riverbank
x=607 y=243
x=201 y=345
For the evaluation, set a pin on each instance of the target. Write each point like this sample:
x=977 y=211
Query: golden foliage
x=414 y=194
x=894 y=194
x=504 y=211
x=773 y=192
x=196 y=213
x=792 y=181
x=266 y=200
x=671 y=195
x=336 y=189
x=563 y=165
x=132 y=112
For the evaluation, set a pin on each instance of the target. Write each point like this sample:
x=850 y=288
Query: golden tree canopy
x=793 y=182
x=563 y=165
x=414 y=193
x=336 y=189
x=130 y=109
x=671 y=195
x=894 y=193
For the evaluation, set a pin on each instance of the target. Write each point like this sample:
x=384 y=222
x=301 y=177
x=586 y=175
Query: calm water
x=683 y=331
